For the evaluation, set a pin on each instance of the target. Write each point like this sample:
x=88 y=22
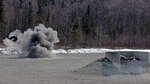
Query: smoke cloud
x=35 y=43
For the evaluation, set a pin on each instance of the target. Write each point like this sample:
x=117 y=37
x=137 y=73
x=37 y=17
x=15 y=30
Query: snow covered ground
x=82 y=50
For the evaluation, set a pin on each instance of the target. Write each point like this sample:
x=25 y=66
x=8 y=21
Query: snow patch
x=82 y=50
x=8 y=51
x=92 y=50
x=59 y=51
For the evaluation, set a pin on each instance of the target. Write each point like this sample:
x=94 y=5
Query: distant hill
x=83 y=23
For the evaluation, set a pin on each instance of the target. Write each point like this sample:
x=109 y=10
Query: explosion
x=35 y=43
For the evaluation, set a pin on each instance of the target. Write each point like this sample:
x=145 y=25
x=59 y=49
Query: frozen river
x=60 y=70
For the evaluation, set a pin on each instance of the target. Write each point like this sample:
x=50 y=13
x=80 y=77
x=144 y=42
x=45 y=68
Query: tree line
x=82 y=23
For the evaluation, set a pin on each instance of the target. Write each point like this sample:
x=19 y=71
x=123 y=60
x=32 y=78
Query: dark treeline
x=82 y=23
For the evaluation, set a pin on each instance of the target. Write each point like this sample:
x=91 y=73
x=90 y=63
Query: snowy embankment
x=90 y=50
x=82 y=50
x=7 y=51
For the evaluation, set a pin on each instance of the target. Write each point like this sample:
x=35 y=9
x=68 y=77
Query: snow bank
x=92 y=50
x=82 y=50
x=59 y=51
x=7 y=51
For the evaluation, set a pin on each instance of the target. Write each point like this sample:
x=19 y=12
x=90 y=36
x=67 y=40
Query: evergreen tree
x=53 y=2
x=20 y=3
x=2 y=22
x=40 y=12
x=77 y=35
x=30 y=15
x=88 y=23
x=62 y=4
x=48 y=19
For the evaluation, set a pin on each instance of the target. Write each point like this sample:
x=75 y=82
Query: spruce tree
x=88 y=23
x=2 y=22
x=30 y=15
x=40 y=12
x=77 y=34
x=53 y=2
